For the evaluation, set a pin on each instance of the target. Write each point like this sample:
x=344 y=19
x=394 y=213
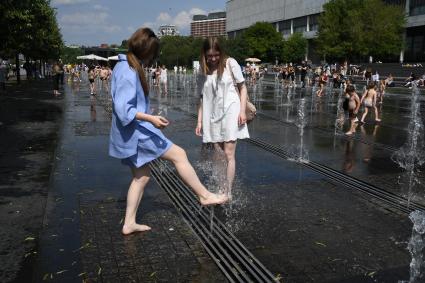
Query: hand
x=241 y=119
x=198 y=130
x=159 y=122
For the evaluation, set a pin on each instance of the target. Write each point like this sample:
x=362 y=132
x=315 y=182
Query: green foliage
x=356 y=28
x=124 y=44
x=29 y=27
x=262 y=41
x=236 y=48
x=294 y=48
x=69 y=55
x=179 y=50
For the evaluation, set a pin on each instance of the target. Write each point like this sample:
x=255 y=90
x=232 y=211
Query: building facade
x=167 y=30
x=213 y=24
x=289 y=16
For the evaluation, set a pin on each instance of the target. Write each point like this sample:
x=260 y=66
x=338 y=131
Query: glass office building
x=289 y=16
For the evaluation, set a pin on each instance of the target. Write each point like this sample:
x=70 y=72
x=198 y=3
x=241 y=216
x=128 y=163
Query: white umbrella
x=255 y=60
x=113 y=58
x=92 y=57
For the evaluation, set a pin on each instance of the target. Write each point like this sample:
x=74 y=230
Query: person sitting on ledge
x=389 y=81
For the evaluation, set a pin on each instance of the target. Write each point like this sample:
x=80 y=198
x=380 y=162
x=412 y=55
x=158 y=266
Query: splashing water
x=412 y=154
x=213 y=168
x=340 y=115
x=416 y=247
x=301 y=123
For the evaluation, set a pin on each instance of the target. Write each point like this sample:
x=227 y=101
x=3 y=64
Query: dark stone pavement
x=300 y=225
x=81 y=239
x=30 y=119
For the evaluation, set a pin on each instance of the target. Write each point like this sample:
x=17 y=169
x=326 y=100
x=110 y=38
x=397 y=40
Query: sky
x=93 y=22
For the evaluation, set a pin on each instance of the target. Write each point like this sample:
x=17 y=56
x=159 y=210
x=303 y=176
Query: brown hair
x=212 y=43
x=371 y=85
x=142 y=45
x=350 y=89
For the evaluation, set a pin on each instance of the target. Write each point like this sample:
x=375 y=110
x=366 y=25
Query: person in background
x=353 y=108
x=3 y=74
x=389 y=81
x=56 y=71
x=92 y=77
x=163 y=79
x=369 y=101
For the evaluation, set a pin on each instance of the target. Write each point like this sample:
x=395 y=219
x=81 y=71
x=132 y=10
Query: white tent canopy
x=113 y=58
x=92 y=57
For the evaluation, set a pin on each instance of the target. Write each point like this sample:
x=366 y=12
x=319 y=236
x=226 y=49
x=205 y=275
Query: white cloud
x=197 y=11
x=88 y=23
x=98 y=7
x=163 y=17
x=182 y=20
x=68 y=2
x=84 y=18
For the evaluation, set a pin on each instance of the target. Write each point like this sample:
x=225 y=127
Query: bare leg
x=141 y=177
x=229 y=151
x=366 y=110
x=179 y=158
x=376 y=114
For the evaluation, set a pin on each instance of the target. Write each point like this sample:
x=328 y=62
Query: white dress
x=221 y=106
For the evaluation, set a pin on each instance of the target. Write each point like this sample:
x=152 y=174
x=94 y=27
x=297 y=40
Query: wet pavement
x=301 y=225
x=30 y=118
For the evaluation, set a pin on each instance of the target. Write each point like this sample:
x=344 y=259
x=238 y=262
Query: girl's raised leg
x=179 y=158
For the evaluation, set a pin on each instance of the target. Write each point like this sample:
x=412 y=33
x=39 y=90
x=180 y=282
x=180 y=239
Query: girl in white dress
x=221 y=112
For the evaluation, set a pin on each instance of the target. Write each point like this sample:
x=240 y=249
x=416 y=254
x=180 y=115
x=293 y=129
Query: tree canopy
x=294 y=48
x=262 y=41
x=358 y=28
x=29 y=27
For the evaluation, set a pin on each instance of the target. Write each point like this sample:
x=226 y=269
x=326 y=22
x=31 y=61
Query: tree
x=124 y=44
x=69 y=55
x=179 y=50
x=29 y=27
x=294 y=48
x=382 y=37
x=356 y=28
x=236 y=48
x=262 y=41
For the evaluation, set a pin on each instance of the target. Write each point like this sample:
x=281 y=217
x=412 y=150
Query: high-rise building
x=206 y=26
x=167 y=30
x=291 y=16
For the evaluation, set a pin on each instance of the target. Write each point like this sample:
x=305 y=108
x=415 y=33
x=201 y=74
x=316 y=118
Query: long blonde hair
x=142 y=45
x=212 y=43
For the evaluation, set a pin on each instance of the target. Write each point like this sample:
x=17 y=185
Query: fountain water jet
x=301 y=123
x=412 y=154
x=416 y=247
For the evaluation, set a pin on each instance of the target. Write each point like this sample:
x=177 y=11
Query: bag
x=250 y=109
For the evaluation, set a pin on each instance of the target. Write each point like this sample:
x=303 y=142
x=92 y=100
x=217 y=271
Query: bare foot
x=132 y=228
x=213 y=199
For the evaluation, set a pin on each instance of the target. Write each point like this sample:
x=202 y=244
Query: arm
x=363 y=96
x=243 y=93
x=125 y=102
x=198 y=130
x=200 y=81
x=358 y=103
x=243 y=97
